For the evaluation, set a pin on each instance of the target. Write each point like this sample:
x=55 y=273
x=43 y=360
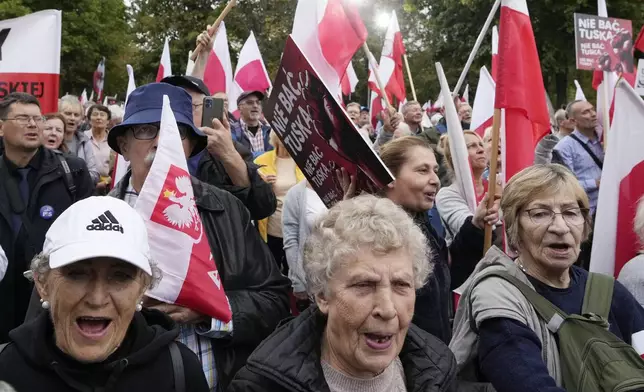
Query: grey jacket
x=453 y=210
x=543 y=151
x=85 y=152
x=496 y=298
x=295 y=231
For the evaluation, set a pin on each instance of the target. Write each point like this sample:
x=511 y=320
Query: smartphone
x=212 y=108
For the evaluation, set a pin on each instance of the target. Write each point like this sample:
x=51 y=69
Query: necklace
x=520 y=265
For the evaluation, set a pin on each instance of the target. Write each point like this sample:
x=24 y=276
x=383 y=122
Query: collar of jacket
x=204 y=198
x=291 y=357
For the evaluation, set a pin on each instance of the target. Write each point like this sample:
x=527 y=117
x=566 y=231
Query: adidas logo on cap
x=105 y=222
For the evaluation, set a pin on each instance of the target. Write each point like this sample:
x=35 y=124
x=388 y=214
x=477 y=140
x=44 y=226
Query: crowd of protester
x=358 y=297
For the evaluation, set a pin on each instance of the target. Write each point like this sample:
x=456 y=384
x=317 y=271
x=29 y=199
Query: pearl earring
x=45 y=304
x=139 y=306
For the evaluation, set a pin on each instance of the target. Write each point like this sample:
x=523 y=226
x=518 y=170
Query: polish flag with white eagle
x=483 y=109
x=165 y=66
x=329 y=32
x=121 y=166
x=218 y=75
x=250 y=74
x=621 y=185
x=176 y=234
x=519 y=88
x=391 y=63
x=35 y=70
x=349 y=80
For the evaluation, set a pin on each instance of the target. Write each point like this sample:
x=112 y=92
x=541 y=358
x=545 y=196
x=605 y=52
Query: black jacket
x=142 y=362
x=47 y=188
x=434 y=304
x=258 y=197
x=289 y=360
x=257 y=291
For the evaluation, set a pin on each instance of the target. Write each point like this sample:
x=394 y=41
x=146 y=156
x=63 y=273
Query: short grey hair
x=638 y=225
x=407 y=105
x=69 y=100
x=40 y=268
x=560 y=116
x=363 y=223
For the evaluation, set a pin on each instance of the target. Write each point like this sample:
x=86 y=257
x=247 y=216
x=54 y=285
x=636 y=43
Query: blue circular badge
x=46 y=212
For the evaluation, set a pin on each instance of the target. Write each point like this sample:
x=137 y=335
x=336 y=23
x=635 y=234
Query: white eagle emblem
x=183 y=213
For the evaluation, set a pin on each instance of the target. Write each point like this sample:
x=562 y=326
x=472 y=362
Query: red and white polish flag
x=83 y=98
x=99 y=81
x=35 y=71
x=621 y=185
x=190 y=64
x=121 y=166
x=165 y=66
x=579 y=92
x=250 y=74
x=483 y=109
x=391 y=63
x=329 y=33
x=175 y=231
x=349 y=80
x=519 y=88
x=218 y=75
x=495 y=51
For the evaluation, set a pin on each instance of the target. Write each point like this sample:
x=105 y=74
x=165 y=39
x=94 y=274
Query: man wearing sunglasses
x=256 y=289
x=36 y=186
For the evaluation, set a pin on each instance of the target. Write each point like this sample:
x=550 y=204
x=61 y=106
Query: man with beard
x=36 y=186
x=256 y=290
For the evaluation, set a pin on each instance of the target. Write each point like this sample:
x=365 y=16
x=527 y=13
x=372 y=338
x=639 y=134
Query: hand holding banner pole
x=214 y=27
x=491 y=190
x=477 y=45
x=411 y=80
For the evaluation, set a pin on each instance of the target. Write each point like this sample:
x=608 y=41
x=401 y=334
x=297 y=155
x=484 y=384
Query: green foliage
x=434 y=30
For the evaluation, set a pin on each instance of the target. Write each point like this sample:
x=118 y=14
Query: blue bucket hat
x=144 y=106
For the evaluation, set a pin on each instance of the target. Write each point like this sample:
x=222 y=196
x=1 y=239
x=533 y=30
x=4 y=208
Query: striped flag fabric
x=218 y=75
x=250 y=74
x=349 y=80
x=390 y=67
x=483 y=109
x=165 y=66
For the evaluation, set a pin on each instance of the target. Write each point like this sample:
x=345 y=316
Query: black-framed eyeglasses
x=23 y=119
x=545 y=216
x=151 y=131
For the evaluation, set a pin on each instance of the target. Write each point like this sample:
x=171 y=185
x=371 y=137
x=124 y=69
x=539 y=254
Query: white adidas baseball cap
x=99 y=226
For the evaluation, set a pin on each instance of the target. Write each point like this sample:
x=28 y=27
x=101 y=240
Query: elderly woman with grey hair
x=632 y=274
x=498 y=335
x=94 y=335
x=363 y=260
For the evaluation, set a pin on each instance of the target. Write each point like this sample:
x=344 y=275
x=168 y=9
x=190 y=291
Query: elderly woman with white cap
x=94 y=335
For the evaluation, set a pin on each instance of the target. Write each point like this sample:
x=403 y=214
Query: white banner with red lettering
x=35 y=71
x=178 y=242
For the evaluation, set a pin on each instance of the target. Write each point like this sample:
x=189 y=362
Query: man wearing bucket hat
x=92 y=274
x=250 y=131
x=257 y=291
x=222 y=163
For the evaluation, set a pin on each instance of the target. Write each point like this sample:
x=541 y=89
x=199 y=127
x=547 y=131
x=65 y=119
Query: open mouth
x=378 y=341
x=560 y=247
x=93 y=327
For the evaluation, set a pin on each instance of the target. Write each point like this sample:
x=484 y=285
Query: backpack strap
x=598 y=295
x=544 y=308
x=177 y=368
x=590 y=152
x=67 y=176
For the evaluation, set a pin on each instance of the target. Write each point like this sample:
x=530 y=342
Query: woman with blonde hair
x=277 y=168
x=498 y=335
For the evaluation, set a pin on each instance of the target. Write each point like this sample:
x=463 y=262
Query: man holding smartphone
x=221 y=163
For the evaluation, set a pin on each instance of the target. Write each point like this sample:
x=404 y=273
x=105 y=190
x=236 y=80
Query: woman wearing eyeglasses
x=546 y=217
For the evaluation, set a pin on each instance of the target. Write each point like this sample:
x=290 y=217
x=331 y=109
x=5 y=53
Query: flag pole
x=477 y=45
x=376 y=72
x=491 y=187
x=411 y=80
x=606 y=110
x=214 y=27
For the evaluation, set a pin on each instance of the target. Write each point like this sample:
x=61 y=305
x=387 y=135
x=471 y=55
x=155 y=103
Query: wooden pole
x=376 y=72
x=213 y=29
x=477 y=45
x=411 y=80
x=491 y=187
